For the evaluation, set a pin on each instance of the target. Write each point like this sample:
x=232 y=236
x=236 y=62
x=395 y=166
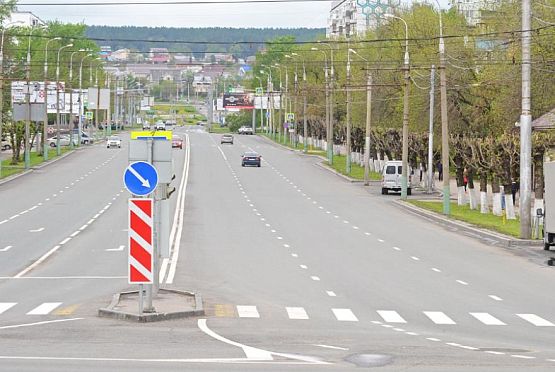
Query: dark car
x=251 y=158
x=177 y=142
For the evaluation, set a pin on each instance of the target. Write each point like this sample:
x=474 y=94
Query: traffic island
x=168 y=304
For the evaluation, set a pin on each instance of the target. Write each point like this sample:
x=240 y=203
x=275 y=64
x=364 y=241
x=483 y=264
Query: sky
x=311 y=14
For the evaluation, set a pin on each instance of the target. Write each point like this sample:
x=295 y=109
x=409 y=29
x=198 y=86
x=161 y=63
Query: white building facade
x=25 y=19
x=473 y=10
x=354 y=17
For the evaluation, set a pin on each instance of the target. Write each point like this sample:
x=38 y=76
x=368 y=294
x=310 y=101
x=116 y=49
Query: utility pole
x=348 y=87
x=431 y=132
x=368 y=126
x=526 y=127
x=305 y=124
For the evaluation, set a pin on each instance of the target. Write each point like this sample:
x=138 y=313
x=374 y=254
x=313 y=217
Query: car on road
x=85 y=139
x=245 y=130
x=391 y=177
x=113 y=141
x=6 y=145
x=64 y=141
x=251 y=158
x=226 y=138
x=160 y=125
x=177 y=142
x=146 y=126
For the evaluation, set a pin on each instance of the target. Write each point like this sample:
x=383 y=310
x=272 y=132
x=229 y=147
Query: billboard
x=263 y=102
x=238 y=101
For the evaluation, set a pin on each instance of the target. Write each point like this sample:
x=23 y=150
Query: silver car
x=226 y=138
x=113 y=141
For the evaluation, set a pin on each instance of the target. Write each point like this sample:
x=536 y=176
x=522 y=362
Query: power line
x=186 y=2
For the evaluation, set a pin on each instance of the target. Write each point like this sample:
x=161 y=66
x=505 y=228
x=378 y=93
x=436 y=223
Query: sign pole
x=149 y=307
x=141 y=289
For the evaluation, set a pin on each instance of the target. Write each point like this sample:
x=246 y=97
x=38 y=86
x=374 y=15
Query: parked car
x=64 y=141
x=391 y=177
x=245 y=130
x=146 y=126
x=113 y=141
x=251 y=158
x=6 y=145
x=85 y=139
x=177 y=142
x=226 y=138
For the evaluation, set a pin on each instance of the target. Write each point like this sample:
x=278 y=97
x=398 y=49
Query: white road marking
x=331 y=347
x=367 y=234
x=331 y=293
x=6 y=248
x=37 y=230
x=391 y=316
x=415 y=258
x=34 y=324
x=294 y=255
x=33 y=207
x=65 y=241
x=286 y=245
x=25 y=211
x=279 y=238
x=303 y=267
x=399 y=329
x=3 y=222
x=296 y=313
x=345 y=221
x=273 y=230
x=487 y=319
x=37 y=262
x=387 y=326
x=96 y=216
x=411 y=333
x=44 y=308
x=14 y=216
x=523 y=356
x=436 y=270
x=355 y=227
x=494 y=352
x=536 y=320
x=344 y=315
x=247 y=312
x=381 y=240
x=462 y=282
x=438 y=317
x=5 y=306
x=90 y=221
x=315 y=278
x=496 y=298
x=433 y=339
x=75 y=234
x=375 y=322
x=119 y=249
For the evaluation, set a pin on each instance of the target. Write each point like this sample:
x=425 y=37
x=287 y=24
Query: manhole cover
x=369 y=360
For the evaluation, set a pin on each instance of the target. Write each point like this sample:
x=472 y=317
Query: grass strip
x=474 y=217
x=9 y=169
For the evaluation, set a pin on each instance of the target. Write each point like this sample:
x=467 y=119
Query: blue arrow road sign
x=140 y=178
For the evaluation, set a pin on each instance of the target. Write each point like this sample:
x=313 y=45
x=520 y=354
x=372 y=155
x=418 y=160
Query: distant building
x=201 y=83
x=349 y=18
x=105 y=52
x=27 y=19
x=219 y=57
x=120 y=55
x=159 y=55
x=244 y=70
x=475 y=10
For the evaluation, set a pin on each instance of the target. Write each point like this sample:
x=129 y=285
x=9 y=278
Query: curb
x=485 y=236
x=110 y=312
x=39 y=166
x=346 y=178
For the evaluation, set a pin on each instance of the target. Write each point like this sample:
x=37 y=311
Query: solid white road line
x=37 y=262
x=536 y=320
x=331 y=347
x=344 y=315
x=4 y=306
x=296 y=313
x=487 y=319
x=34 y=324
x=391 y=316
x=247 y=312
x=44 y=308
x=438 y=317
x=119 y=249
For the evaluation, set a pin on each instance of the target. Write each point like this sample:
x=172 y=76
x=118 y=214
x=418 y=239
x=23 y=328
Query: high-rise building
x=475 y=10
x=354 y=17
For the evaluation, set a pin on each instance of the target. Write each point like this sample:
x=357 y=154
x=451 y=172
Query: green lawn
x=217 y=129
x=464 y=213
x=357 y=172
x=9 y=169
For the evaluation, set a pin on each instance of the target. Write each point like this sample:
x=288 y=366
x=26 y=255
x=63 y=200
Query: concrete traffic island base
x=168 y=304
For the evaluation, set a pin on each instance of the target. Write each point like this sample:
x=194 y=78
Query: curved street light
x=44 y=142
x=58 y=148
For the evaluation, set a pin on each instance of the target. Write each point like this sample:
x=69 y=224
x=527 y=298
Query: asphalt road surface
x=298 y=269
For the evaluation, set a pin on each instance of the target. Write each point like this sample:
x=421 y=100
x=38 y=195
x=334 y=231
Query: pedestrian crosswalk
x=385 y=316
x=45 y=308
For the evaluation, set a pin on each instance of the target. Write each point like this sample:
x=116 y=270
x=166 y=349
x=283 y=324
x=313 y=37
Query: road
x=298 y=269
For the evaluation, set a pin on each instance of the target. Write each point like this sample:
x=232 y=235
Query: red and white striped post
x=140 y=243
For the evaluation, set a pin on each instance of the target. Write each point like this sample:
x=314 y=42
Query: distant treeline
x=196 y=40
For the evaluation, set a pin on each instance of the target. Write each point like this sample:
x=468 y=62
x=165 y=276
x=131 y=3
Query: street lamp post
x=58 y=148
x=2 y=81
x=71 y=95
x=329 y=136
x=326 y=88
x=305 y=123
x=348 y=87
x=81 y=98
x=406 y=67
x=281 y=112
x=44 y=142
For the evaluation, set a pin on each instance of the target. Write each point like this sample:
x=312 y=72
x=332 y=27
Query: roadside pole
x=431 y=132
x=149 y=308
x=305 y=123
x=368 y=127
x=348 y=139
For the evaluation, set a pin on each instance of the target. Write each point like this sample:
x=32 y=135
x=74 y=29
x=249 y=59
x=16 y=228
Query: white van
x=391 y=177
